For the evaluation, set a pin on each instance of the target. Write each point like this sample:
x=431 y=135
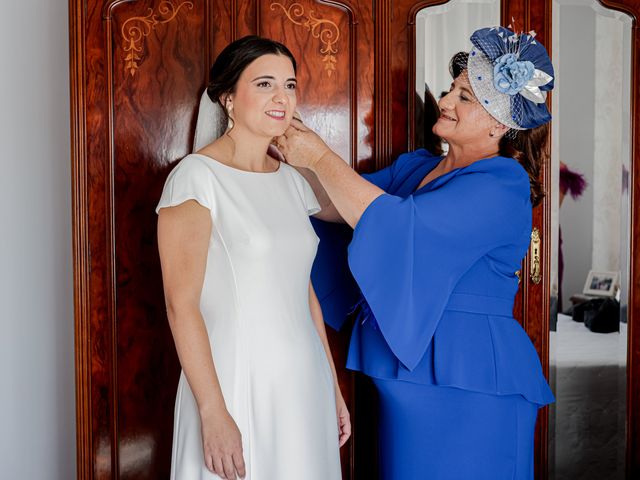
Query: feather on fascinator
x=510 y=74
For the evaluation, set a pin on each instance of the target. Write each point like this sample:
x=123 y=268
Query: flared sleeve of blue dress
x=332 y=281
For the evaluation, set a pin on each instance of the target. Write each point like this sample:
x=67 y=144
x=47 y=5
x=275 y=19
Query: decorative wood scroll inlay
x=326 y=30
x=135 y=29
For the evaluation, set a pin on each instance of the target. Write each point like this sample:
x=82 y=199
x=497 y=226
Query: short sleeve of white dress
x=309 y=199
x=191 y=179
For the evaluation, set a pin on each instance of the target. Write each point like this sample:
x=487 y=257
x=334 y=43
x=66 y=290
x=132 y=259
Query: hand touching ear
x=301 y=146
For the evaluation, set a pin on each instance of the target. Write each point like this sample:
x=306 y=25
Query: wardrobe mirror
x=441 y=32
x=590 y=158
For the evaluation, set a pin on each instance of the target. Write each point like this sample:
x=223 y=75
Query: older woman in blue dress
x=436 y=245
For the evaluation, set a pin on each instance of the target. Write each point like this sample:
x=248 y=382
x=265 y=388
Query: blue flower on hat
x=522 y=69
x=510 y=75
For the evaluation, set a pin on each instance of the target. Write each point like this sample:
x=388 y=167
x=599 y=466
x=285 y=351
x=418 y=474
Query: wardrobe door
x=137 y=71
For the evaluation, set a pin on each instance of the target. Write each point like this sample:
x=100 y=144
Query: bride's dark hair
x=233 y=60
x=528 y=147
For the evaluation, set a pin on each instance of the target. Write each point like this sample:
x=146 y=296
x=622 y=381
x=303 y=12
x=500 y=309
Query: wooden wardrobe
x=137 y=69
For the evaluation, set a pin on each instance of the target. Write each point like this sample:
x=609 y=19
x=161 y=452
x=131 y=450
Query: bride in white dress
x=258 y=396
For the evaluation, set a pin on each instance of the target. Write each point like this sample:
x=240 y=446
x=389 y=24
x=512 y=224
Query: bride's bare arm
x=342 y=413
x=183 y=240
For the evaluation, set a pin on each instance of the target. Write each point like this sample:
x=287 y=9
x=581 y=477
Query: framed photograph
x=603 y=284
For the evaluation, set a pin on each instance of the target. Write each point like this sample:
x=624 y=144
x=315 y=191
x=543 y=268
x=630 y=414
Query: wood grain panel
x=246 y=18
x=102 y=391
x=154 y=112
x=99 y=136
x=221 y=29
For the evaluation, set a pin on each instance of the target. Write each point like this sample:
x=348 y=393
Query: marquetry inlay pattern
x=135 y=29
x=325 y=30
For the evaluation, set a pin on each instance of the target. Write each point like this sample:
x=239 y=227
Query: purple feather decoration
x=572 y=182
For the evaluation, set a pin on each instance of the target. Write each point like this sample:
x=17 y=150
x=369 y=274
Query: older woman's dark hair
x=528 y=147
x=233 y=60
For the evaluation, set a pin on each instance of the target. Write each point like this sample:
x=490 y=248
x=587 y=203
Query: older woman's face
x=462 y=119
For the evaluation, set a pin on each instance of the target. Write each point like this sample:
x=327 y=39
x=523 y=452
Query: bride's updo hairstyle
x=232 y=61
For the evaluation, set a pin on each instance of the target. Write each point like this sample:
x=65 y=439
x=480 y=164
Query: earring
x=229 y=109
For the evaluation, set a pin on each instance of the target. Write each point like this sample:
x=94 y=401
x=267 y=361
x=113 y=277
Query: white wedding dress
x=273 y=370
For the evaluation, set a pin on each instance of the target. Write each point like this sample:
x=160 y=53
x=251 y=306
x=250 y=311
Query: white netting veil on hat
x=498 y=105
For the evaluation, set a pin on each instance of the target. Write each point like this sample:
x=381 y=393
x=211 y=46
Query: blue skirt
x=441 y=433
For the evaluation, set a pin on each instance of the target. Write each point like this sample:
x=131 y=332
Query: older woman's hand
x=300 y=146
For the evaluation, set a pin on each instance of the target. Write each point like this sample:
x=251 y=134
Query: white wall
x=37 y=411
x=575 y=90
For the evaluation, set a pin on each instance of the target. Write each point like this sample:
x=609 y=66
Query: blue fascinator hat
x=510 y=74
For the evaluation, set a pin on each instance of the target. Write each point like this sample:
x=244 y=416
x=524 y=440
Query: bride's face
x=265 y=96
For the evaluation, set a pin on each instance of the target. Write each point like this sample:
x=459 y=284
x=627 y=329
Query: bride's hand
x=344 y=422
x=300 y=146
x=222 y=445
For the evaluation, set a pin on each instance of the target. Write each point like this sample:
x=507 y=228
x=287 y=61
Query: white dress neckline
x=239 y=170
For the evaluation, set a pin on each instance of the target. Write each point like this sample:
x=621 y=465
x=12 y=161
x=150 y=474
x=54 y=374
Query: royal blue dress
x=459 y=381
